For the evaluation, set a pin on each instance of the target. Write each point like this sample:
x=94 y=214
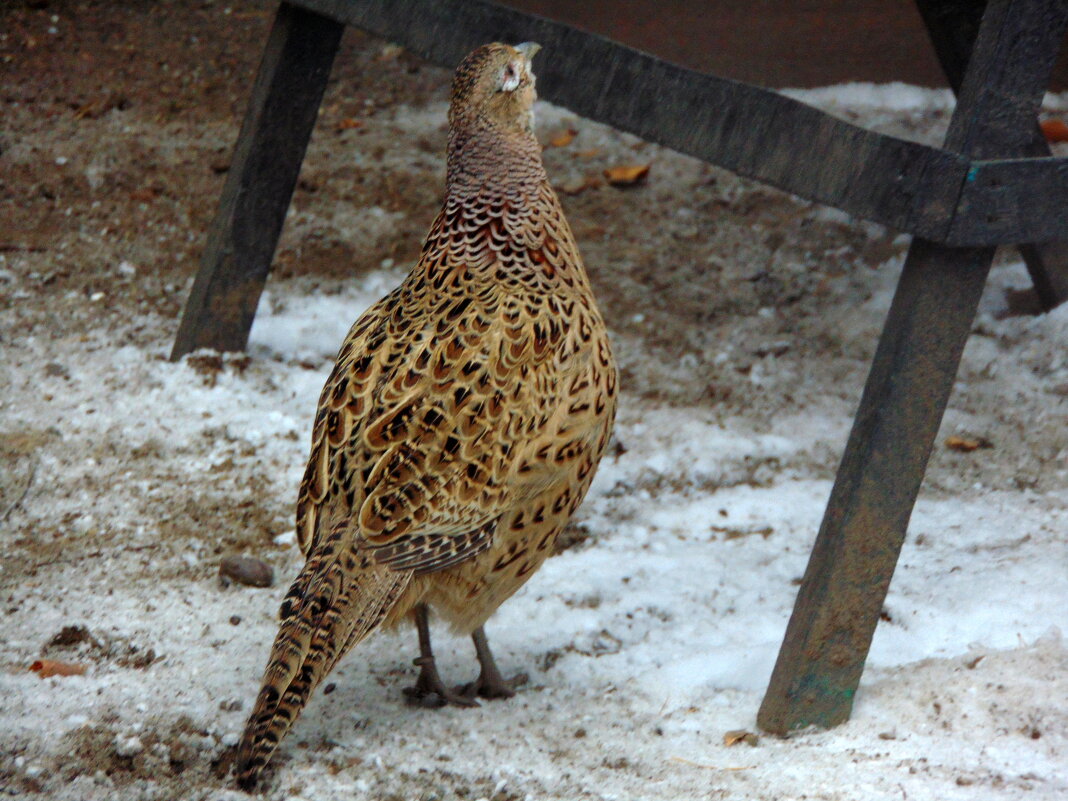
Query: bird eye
x=510 y=78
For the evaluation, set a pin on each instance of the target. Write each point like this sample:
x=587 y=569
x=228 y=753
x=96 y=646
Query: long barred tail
x=336 y=601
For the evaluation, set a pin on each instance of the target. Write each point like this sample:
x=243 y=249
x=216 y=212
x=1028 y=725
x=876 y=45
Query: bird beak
x=528 y=50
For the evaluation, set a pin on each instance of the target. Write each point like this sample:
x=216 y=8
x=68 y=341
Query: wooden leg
x=263 y=172
x=856 y=550
x=953 y=26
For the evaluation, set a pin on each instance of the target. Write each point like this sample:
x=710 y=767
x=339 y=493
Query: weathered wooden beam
x=752 y=131
x=263 y=172
x=755 y=132
x=842 y=593
x=952 y=26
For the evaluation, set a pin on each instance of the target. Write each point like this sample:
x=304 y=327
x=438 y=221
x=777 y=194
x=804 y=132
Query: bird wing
x=425 y=430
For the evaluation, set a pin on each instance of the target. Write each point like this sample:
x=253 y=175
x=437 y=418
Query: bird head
x=495 y=85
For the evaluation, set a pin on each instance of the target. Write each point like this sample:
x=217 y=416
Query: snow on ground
x=128 y=477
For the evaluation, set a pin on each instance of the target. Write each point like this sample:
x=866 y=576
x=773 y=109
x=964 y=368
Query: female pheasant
x=462 y=424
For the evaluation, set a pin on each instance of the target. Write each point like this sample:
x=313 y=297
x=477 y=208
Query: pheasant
x=462 y=423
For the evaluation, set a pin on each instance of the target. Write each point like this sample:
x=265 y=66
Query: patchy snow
x=128 y=477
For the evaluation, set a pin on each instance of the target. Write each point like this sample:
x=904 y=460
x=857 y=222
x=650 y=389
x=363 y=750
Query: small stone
x=246 y=570
x=56 y=370
x=235 y=620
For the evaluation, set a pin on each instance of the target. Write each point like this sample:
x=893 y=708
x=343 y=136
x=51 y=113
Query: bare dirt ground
x=125 y=479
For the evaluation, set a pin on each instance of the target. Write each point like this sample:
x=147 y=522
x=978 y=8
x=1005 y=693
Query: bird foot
x=492 y=687
x=430 y=691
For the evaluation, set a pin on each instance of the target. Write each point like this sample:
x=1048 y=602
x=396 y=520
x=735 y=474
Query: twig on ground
x=690 y=762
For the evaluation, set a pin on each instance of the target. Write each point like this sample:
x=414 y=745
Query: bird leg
x=429 y=690
x=490 y=683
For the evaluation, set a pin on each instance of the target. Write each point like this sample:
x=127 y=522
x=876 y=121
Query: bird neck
x=501 y=224
x=486 y=159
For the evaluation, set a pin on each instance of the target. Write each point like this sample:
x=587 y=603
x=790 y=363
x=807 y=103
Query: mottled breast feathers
x=449 y=398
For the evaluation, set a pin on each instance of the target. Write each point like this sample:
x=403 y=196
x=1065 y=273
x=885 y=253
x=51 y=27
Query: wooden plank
x=952 y=26
x=837 y=609
x=752 y=131
x=263 y=172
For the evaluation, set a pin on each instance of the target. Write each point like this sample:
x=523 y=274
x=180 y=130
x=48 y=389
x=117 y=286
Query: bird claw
x=492 y=688
x=435 y=699
x=430 y=691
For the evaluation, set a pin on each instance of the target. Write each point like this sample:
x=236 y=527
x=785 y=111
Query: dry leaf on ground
x=1055 y=130
x=563 y=138
x=626 y=174
x=50 y=667
x=736 y=736
x=966 y=444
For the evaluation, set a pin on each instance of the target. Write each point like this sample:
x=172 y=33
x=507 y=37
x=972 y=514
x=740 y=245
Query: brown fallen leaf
x=50 y=667
x=626 y=174
x=348 y=124
x=967 y=445
x=563 y=138
x=1055 y=130
x=588 y=154
x=736 y=736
